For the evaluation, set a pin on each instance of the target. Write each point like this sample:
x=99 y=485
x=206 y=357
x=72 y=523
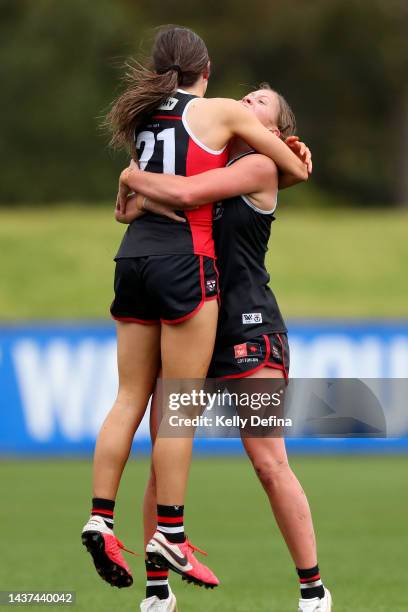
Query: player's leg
x=287 y=498
x=290 y=507
x=138 y=364
x=158 y=592
x=186 y=351
x=149 y=499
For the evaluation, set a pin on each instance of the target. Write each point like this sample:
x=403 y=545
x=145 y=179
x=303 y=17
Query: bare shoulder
x=228 y=102
x=216 y=106
x=224 y=105
x=258 y=163
x=217 y=113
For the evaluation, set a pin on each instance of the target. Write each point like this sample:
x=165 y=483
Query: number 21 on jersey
x=149 y=140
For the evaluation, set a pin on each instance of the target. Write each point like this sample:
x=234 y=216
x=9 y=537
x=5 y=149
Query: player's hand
x=301 y=151
x=133 y=209
x=123 y=192
x=162 y=209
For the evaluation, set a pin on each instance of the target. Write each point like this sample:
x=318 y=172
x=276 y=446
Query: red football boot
x=104 y=546
x=181 y=559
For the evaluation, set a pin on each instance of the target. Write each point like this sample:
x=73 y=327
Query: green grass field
x=57 y=262
x=359 y=507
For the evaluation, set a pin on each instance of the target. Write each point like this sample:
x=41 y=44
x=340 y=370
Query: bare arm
x=137 y=206
x=255 y=175
x=234 y=120
x=244 y=177
x=242 y=123
x=247 y=175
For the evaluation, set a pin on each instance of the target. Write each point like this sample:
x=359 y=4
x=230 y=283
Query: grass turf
x=359 y=507
x=57 y=262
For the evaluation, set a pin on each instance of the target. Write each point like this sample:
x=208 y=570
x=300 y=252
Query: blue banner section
x=58 y=382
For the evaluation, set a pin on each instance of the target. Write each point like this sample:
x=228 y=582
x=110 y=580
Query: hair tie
x=177 y=68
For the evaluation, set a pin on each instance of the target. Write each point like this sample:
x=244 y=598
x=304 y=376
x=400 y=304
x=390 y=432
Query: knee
x=129 y=397
x=270 y=470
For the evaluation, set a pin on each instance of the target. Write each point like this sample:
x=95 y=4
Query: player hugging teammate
x=166 y=285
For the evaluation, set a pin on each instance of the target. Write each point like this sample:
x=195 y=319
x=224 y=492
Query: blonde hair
x=286 y=120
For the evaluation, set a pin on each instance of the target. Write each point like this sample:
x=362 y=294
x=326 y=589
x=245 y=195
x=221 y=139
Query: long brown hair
x=179 y=57
x=286 y=120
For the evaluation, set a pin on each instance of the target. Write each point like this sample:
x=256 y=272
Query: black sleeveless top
x=248 y=306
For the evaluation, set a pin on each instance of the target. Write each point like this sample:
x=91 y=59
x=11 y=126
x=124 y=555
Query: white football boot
x=316 y=604
x=154 y=604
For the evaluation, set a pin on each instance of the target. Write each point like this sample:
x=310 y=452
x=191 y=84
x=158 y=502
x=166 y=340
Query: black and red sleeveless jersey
x=165 y=144
x=248 y=306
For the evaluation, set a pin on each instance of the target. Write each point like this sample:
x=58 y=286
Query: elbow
x=185 y=197
x=302 y=173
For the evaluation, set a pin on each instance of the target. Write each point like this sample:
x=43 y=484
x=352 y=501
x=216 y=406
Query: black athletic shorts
x=245 y=358
x=166 y=288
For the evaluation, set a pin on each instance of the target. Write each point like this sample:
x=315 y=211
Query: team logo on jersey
x=275 y=352
x=168 y=104
x=240 y=350
x=248 y=318
x=217 y=211
x=254 y=349
x=211 y=284
x=248 y=349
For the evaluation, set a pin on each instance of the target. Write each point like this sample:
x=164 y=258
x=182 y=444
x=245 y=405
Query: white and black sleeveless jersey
x=165 y=144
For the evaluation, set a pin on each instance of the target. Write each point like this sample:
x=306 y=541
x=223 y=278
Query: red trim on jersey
x=133 y=320
x=167 y=117
x=197 y=161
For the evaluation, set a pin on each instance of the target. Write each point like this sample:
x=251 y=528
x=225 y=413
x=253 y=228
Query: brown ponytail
x=179 y=57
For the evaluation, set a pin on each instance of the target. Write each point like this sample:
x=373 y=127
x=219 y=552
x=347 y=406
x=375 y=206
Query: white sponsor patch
x=251 y=317
x=168 y=104
x=210 y=284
